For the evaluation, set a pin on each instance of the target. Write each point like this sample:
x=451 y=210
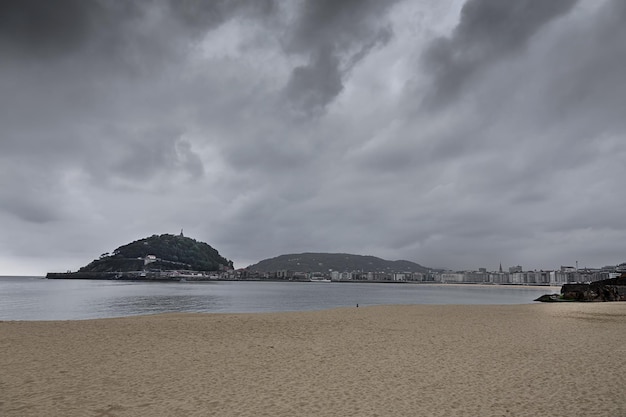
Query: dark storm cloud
x=335 y=36
x=39 y=30
x=488 y=31
x=132 y=35
x=28 y=207
x=514 y=151
x=267 y=127
x=343 y=24
x=313 y=86
x=30 y=193
x=587 y=83
x=76 y=77
x=46 y=27
x=145 y=157
x=200 y=14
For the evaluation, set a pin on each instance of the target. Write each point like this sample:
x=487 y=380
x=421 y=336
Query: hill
x=323 y=262
x=170 y=252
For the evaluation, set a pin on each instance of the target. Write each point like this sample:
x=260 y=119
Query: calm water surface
x=35 y=298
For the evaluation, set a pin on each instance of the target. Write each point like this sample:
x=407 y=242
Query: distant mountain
x=168 y=252
x=323 y=262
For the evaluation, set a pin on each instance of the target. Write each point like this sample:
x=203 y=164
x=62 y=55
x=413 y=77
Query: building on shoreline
x=515 y=276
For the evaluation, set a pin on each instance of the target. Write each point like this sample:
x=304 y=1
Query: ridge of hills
x=322 y=262
x=171 y=252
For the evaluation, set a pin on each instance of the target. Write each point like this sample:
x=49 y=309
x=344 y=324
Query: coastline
x=135 y=277
x=440 y=360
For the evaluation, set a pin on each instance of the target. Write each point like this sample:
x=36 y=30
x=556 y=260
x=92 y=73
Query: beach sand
x=563 y=359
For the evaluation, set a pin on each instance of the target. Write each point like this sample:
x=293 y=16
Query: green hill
x=171 y=252
x=323 y=262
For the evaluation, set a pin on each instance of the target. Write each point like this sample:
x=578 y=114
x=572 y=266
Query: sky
x=455 y=134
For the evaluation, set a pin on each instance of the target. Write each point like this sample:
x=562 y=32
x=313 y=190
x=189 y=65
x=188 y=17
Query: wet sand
x=521 y=360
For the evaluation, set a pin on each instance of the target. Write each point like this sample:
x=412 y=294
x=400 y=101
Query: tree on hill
x=171 y=251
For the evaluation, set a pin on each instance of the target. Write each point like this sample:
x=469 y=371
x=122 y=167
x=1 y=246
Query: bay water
x=36 y=298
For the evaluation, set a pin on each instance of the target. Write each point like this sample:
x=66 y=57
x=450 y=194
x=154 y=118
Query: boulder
x=613 y=289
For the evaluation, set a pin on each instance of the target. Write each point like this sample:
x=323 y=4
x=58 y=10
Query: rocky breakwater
x=613 y=289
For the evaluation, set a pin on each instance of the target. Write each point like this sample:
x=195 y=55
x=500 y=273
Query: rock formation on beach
x=613 y=289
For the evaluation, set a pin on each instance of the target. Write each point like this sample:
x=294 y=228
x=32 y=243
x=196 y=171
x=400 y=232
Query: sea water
x=36 y=298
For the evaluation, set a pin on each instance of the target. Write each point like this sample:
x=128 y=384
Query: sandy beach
x=518 y=360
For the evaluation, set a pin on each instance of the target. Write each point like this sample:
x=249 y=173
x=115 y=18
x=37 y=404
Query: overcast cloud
x=456 y=134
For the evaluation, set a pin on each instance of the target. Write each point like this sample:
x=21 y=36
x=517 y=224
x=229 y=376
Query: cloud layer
x=453 y=134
